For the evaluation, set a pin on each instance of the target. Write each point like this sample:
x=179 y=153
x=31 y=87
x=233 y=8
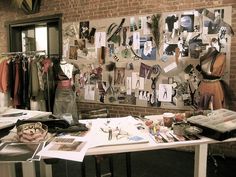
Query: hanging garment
x=24 y=91
x=213 y=67
x=11 y=78
x=16 y=98
x=3 y=75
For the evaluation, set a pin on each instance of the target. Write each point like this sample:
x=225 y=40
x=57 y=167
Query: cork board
x=145 y=60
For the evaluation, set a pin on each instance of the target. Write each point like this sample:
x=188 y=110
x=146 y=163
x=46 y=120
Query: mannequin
x=65 y=97
x=211 y=88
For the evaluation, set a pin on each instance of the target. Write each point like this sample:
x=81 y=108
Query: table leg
x=45 y=169
x=28 y=169
x=128 y=164
x=200 y=161
x=7 y=170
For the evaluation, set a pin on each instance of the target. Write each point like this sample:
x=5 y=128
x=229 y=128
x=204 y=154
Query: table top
x=108 y=148
x=152 y=144
x=7 y=117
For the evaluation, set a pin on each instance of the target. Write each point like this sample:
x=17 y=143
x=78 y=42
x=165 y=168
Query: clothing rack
x=33 y=53
x=26 y=52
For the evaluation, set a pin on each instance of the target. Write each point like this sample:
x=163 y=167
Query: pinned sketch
x=89 y=93
x=165 y=92
x=135 y=80
x=100 y=39
x=136 y=40
x=128 y=85
x=65 y=48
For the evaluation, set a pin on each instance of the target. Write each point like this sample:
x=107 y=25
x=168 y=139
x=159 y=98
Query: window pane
x=41 y=38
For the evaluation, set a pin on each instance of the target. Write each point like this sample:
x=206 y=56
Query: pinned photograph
x=75 y=146
x=145 y=71
x=84 y=30
x=73 y=52
x=170 y=22
x=119 y=76
x=133 y=24
x=148 y=52
x=187 y=23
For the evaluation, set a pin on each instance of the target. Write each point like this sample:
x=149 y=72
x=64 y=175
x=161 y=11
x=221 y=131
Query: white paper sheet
x=100 y=39
x=146 y=29
x=136 y=40
x=74 y=151
x=165 y=92
x=89 y=93
x=135 y=80
x=169 y=67
x=129 y=134
x=128 y=85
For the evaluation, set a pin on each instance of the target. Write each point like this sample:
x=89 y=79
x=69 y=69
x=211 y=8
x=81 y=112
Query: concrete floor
x=159 y=163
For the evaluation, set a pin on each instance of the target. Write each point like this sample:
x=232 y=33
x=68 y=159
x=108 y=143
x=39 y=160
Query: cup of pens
x=168 y=119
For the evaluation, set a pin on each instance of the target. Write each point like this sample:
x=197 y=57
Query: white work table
x=201 y=152
x=8 y=169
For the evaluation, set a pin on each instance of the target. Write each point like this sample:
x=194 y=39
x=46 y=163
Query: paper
x=89 y=92
x=145 y=21
x=74 y=151
x=123 y=131
x=20 y=152
x=135 y=80
x=165 y=92
x=128 y=85
x=170 y=67
x=65 y=48
x=141 y=85
x=100 y=39
x=136 y=40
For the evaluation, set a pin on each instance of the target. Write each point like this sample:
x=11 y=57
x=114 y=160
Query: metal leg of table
x=111 y=166
x=128 y=164
x=45 y=169
x=28 y=169
x=18 y=169
x=83 y=169
x=98 y=167
x=7 y=170
x=200 y=161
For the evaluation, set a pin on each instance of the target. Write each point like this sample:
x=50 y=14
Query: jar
x=168 y=119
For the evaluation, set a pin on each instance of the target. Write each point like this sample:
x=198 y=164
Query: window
x=42 y=33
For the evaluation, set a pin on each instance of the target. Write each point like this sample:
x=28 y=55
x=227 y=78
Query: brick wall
x=74 y=10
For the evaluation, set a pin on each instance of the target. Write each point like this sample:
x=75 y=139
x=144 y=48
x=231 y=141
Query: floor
x=159 y=163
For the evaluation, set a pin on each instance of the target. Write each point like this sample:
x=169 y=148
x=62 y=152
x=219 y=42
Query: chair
x=92 y=114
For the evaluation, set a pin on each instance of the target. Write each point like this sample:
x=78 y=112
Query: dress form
x=67 y=68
